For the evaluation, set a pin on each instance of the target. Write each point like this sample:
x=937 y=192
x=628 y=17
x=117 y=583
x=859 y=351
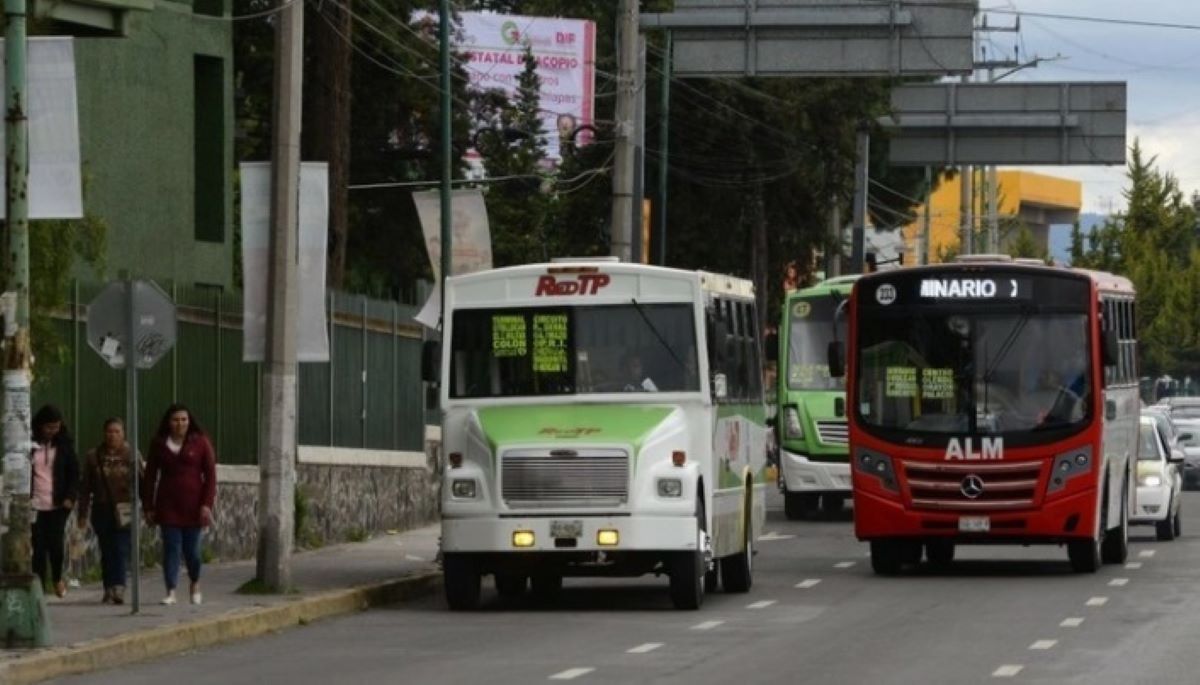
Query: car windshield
x=810 y=331
x=637 y=348
x=1149 y=445
x=1187 y=411
x=928 y=370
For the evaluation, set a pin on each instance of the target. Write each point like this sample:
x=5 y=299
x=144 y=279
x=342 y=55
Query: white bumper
x=1152 y=504
x=802 y=475
x=636 y=533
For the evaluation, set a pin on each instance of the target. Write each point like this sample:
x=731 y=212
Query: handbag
x=123 y=511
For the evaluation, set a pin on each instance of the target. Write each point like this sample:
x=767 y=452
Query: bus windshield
x=810 y=330
x=925 y=369
x=532 y=351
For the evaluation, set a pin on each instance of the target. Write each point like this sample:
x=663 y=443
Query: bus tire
x=737 y=570
x=687 y=570
x=793 y=506
x=940 y=552
x=461 y=579
x=1084 y=555
x=1115 y=548
x=511 y=585
x=887 y=556
x=832 y=505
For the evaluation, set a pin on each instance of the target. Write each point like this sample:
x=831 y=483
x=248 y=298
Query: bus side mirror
x=431 y=361
x=837 y=359
x=720 y=386
x=1109 y=348
x=839 y=407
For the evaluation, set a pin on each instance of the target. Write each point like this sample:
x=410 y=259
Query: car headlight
x=1150 y=481
x=670 y=487
x=793 y=430
x=878 y=466
x=463 y=488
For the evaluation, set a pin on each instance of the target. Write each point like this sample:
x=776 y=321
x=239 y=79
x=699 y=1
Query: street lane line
x=1133 y=565
x=1146 y=553
x=411 y=557
x=1097 y=601
x=707 y=625
x=774 y=536
x=807 y=583
x=761 y=605
x=1043 y=645
x=1071 y=622
x=642 y=649
x=1118 y=582
x=571 y=673
x=845 y=564
x=1007 y=671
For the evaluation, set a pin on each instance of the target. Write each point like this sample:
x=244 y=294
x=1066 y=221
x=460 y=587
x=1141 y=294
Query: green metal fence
x=369 y=396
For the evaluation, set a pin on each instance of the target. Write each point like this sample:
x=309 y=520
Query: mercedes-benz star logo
x=972 y=486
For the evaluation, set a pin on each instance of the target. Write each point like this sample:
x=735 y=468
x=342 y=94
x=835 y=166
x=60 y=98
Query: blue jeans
x=173 y=538
x=114 y=545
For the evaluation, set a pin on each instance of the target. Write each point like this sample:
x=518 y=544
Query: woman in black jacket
x=55 y=489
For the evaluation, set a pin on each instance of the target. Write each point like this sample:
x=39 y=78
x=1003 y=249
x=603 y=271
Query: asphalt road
x=816 y=614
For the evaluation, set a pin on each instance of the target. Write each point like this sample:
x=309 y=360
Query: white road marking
x=807 y=583
x=1097 y=601
x=1007 y=671
x=1133 y=565
x=761 y=605
x=845 y=564
x=774 y=536
x=642 y=649
x=1146 y=553
x=571 y=673
x=1071 y=622
x=1118 y=582
x=411 y=557
x=707 y=625
x=1043 y=645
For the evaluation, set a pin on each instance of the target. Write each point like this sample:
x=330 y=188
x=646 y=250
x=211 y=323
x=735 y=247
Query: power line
x=1099 y=20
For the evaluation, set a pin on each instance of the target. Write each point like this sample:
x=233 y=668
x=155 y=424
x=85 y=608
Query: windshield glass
x=1148 y=449
x=928 y=370
x=810 y=331
x=1186 y=412
x=574 y=350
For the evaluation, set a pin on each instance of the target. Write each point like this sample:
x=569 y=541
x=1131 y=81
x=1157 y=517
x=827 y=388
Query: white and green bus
x=599 y=419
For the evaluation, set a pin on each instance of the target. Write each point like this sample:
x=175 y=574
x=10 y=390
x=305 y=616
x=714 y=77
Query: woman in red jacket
x=181 y=487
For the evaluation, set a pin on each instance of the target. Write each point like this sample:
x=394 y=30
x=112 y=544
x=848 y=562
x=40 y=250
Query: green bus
x=811 y=419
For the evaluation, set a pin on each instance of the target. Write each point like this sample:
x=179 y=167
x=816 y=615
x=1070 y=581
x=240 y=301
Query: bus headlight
x=793 y=429
x=670 y=487
x=463 y=488
x=1150 y=481
x=1073 y=464
x=878 y=466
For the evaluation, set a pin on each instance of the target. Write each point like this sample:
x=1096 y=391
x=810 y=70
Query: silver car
x=1189 y=442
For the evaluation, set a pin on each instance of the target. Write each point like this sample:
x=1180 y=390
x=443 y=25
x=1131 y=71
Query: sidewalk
x=87 y=635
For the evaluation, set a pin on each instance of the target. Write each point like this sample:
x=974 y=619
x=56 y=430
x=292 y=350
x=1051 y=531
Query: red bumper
x=1073 y=517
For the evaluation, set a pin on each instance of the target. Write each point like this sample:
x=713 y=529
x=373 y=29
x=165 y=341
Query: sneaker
x=60 y=589
x=169 y=599
x=118 y=594
x=108 y=596
x=197 y=598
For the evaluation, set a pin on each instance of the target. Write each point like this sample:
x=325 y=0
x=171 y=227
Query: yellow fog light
x=607 y=538
x=523 y=538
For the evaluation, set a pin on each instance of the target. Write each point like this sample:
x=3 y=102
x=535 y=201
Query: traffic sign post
x=132 y=320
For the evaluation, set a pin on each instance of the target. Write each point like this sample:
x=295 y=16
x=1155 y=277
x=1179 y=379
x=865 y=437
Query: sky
x=1160 y=65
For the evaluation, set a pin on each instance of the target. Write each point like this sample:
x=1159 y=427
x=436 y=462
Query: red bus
x=991 y=401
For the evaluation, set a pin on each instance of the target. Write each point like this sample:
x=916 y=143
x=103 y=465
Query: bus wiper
x=657 y=334
x=991 y=366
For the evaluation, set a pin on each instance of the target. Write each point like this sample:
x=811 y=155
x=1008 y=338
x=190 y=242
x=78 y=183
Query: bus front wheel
x=887 y=556
x=1084 y=555
x=1115 y=548
x=462 y=580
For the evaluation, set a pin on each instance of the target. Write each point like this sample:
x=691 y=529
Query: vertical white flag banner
x=471 y=249
x=312 y=344
x=55 y=183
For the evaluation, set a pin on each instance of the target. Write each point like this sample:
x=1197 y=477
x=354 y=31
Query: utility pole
x=861 y=187
x=923 y=257
x=447 y=129
x=833 y=253
x=664 y=137
x=624 y=153
x=990 y=178
x=966 y=204
x=277 y=459
x=23 y=619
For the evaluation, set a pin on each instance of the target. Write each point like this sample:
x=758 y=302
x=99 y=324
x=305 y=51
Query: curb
x=152 y=643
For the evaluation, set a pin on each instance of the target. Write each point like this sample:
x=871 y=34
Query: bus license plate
x=566 y=529
x=974 y=524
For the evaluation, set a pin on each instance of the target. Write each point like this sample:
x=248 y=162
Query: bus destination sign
x=976 y=288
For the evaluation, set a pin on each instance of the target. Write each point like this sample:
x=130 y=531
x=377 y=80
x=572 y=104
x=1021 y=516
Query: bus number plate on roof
x=974 y=524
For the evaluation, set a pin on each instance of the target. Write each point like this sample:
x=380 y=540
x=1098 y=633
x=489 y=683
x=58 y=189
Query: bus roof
x=838 y=284
x=1105 y=282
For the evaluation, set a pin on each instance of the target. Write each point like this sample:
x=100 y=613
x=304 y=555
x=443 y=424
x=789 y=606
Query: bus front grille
x=585 y=477
x=972 y=487
x=833 y=432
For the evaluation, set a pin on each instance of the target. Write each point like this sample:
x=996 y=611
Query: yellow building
x=1034 y=200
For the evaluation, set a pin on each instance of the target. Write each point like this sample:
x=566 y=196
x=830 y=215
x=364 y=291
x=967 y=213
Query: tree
x=1025 y=245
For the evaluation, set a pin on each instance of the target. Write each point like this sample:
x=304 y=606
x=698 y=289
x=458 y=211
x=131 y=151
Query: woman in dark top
x=106 y=499
x=181 y=487
x=54 y=491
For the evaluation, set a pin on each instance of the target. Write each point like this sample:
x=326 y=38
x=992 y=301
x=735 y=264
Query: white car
x=1159 y=481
